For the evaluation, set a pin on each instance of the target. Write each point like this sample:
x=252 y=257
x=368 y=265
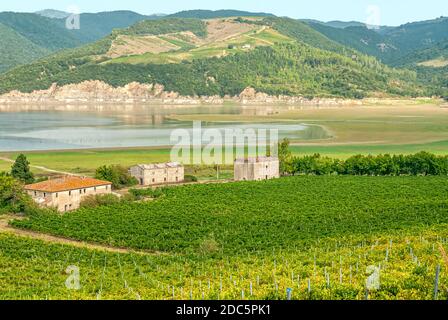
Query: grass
x=5 y=166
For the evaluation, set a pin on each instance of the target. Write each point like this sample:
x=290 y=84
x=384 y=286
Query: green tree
x=284 y=155
x=21 y=170
x=13 y=197
x=118 y=175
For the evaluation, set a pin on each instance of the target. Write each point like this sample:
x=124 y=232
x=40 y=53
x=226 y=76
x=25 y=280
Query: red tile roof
x=66 y=183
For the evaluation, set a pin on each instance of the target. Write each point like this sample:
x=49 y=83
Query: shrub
x=146 y=193
x=99 y=200
x=190 y=178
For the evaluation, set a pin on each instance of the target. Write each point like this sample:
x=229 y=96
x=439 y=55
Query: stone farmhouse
x=159 y=173
x=259 y=168
x=66 y=193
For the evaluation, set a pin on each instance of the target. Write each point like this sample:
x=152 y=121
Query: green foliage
x=393 y=45
x=170 y=25
x=95 y=26
x=290 y=69
x=190 y=178
x=98 y=200
x=17 y=49
x=422 y=163
x=21 y=170
x=292 y=212
x=140 y=194
x=118 y=175
x=284 y=155
x=43 y=32
x=13 y=197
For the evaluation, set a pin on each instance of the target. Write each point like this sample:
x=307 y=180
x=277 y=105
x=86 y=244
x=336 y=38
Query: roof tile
x=66 y=183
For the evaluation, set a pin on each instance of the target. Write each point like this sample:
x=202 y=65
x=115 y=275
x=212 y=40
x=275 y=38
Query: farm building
x=259 y=168
x=159 y=173
x=66 y=193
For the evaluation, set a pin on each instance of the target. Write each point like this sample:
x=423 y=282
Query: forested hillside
x=19 y=50
x=222 y=57
x=389 y=44
x=28 y=36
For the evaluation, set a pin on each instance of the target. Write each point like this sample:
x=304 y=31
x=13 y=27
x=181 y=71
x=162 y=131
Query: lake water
x=58 y=128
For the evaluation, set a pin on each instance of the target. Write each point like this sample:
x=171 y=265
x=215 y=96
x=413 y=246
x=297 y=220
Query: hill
x=360 y=38
x=389 y=44
x=45 y=32
x=273 y=55
x=209 y=14
x=19 y=50
x=95 y=26
x=54 y=14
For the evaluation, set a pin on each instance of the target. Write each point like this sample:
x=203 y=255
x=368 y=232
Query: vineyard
x=315 y=237
x=333 y=269
x=244 y=217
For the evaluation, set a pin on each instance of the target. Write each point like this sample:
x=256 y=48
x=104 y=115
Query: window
x=80 y=191
x=153 y=180
x=65 y=208
x=69 y=193
x=45 y=195
x=94 y=189
x=85 y=190
x=35 y=193
x=57 y=195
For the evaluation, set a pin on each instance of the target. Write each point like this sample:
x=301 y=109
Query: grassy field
x=320 y=236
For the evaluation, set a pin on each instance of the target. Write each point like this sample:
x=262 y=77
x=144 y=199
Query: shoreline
x=95 y=92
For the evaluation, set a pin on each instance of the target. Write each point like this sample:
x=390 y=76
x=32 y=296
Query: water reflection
x=37 y=127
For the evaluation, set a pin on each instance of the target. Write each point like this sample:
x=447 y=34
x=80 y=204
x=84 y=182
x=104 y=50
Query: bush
x=118 y=175
x=190 y=178
x=99 y=200
x=139 y=194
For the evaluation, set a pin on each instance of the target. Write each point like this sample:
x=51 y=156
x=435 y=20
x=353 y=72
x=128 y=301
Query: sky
x=383 y=12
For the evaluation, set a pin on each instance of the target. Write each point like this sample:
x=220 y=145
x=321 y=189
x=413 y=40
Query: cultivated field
x=323 y=237
x=224 y=37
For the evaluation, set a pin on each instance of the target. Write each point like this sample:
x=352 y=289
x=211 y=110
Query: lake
x=34 y=128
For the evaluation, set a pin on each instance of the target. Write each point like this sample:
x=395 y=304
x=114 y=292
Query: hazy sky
x=387 y=12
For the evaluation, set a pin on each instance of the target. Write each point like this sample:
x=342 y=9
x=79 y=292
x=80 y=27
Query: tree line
x=422 y=163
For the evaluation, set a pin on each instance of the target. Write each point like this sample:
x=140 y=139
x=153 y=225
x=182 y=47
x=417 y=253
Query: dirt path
x=42 y=168
x=6 y=228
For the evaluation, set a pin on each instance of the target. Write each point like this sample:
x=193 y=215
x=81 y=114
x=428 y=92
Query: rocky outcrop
x=99 y=92
x=251 y=96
